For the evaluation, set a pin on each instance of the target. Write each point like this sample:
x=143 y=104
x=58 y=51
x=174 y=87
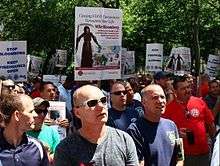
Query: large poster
x=213 y=65
x=179 y=61
x=154 y=57
x=98 y=36
x=13 y=64
x=128 y=64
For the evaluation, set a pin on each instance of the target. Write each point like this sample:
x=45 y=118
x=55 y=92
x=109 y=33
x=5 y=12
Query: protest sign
x=56 y=112
x=128 y=64
x=55 y=79
x=35 y=64
x=13 y=64
x=154 y=57
x=98 y=37
x=179 y=61
x=61 y=58
x=213 y=65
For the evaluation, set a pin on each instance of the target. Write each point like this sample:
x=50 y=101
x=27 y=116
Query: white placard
x=13 y=64
x=154 y=57
x=213 y=65
x=55 y=79
x=98 y=37
x=57 y=111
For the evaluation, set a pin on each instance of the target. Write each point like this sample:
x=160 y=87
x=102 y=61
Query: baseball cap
x=161 y=75
x=39 y=101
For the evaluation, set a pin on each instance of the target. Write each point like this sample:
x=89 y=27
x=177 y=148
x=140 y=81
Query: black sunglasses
x=39 y=111
x=124 y=92
x=93 y=103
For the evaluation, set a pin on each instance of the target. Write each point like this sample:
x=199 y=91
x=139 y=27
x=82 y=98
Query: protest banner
x=128 y=64
x=154 y=57
x=213 y=66
x=56 y=112
x=61 y=58
x=13 y=64
x=35 y=64
x=98 y=37
x=55 y=79
x=179 y=61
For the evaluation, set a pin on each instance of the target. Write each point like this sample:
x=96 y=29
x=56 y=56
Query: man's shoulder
x=118 y=135
x=167 y=122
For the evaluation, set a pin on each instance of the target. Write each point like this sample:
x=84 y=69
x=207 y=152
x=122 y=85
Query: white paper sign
x=154 y=57
x=57 y=111
x=98 y=37
x=213 y=65
x=13 y=64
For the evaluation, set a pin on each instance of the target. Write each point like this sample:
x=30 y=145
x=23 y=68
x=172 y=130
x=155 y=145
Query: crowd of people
x=149 y=120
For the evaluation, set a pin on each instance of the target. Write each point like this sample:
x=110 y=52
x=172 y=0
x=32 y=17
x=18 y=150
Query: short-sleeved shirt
x=122 y=119
x=155 y=141
x=30 y=152
x=47 y=135
x=117 y=149
x=194 y=116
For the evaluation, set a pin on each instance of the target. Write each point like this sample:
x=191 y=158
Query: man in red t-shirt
x=193 y=120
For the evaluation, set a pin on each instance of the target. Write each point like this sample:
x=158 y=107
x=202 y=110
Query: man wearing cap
x=46 y=134
x=162 y=78
x=95 y=143
x=16 y=148
x=120 y=116
x=8 y=87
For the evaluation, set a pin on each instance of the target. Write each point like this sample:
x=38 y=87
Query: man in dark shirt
x=155 y=138
x=120 y=116
x=16 y=148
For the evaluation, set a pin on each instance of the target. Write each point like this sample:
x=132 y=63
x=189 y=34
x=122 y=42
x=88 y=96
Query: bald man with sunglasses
x=121 y=116
x=95 y=143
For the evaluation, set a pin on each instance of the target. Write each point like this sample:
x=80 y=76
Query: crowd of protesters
x=148 y=120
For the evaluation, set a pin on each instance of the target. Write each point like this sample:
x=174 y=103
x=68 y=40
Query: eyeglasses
x=117 y=93
x=40 y=111
x=93 y=103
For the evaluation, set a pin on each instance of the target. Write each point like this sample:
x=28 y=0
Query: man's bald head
x=83 y=93
x=149 y=89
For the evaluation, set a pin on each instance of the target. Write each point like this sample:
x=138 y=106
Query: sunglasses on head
x=93 y=103
x=40 y=111
x=124 y=92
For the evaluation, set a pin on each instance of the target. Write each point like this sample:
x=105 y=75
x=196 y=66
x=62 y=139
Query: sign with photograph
x=35 y=64
x=13 y=64
x=154 y=57
x=98 y=38
x=61 y=58
x=57 y=111
x=179 y=61
x=128 y=64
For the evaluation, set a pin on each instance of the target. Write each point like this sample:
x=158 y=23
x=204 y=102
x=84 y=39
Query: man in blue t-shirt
x=120 y=116
x=155 y=138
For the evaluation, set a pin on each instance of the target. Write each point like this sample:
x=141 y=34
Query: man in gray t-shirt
x=95 y=144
